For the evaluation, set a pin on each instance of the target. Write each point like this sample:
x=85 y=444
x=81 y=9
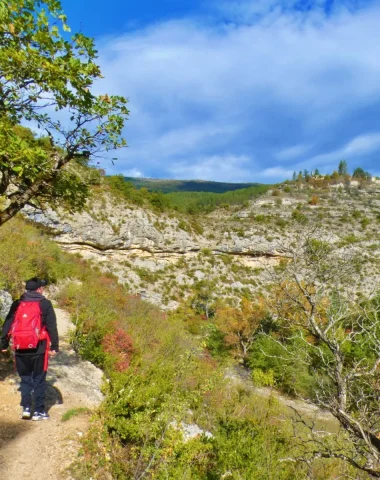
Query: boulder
x=5 y=303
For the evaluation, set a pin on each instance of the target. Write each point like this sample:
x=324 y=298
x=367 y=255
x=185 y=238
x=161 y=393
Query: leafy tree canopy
x=46 y=76
x=361 y=174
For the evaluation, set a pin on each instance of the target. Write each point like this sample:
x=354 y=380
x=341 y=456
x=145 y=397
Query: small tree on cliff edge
x=45 y=77
x=342 y=168
x=338 y=337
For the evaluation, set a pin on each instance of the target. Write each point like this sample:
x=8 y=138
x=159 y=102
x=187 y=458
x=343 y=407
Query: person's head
x=35 y=285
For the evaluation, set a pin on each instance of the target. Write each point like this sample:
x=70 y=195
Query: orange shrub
x=314 y=200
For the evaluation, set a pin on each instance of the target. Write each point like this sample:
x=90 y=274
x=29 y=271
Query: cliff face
x=164 y=256
x=110 y=227
x=107 y=226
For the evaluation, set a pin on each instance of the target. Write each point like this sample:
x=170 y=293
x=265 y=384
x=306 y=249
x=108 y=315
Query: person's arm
x=4 y=339
x=50 y=321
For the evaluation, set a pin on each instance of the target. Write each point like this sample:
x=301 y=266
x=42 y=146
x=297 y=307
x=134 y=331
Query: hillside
x=208 y=330
x=164 y=255
x=165 y=396
x=169 y=186
x=184 y=370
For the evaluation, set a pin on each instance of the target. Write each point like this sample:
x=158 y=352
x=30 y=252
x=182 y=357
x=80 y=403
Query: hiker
x=32 y=349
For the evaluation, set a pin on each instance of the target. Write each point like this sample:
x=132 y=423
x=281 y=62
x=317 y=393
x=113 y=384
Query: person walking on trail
x=32 y=345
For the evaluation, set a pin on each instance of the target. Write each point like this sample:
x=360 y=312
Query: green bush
x=26 y=252
x=263 y=379
x=270 y=358
x=299 y=217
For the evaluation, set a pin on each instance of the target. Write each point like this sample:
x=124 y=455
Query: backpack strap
x=45 y=336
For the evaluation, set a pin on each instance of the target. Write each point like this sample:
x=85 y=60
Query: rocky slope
x=162 y=256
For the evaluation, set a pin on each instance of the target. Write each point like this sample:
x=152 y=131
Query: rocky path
x=32 y=450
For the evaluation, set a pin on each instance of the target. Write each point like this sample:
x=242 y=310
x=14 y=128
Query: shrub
x=263 y=379
x=183 y=225
x=282 y=223
x=261 y=218
x=118 y=345
x=271 y=359
x=364 y=222
x=299 y=217
x=314 y=200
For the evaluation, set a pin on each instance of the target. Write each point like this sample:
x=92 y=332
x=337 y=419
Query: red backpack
x=26 y=330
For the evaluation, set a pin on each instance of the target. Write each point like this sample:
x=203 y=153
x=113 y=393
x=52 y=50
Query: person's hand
x=52 y=353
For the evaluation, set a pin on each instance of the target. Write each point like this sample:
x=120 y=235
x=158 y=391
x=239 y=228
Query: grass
x=74 y=412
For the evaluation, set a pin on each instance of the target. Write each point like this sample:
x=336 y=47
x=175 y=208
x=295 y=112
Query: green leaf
x=44 y=59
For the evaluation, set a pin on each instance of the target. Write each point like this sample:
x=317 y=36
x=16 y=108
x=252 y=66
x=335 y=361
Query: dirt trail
x=32 y=450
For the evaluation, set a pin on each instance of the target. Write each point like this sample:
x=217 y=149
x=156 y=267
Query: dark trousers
x=33 y=379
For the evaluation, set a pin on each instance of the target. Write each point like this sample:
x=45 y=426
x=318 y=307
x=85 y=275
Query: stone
x=5 y=303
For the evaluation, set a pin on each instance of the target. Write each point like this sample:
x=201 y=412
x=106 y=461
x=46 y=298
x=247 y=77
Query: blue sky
x=240 y=90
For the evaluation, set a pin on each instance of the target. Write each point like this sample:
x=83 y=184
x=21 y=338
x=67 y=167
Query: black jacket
x=49 y=320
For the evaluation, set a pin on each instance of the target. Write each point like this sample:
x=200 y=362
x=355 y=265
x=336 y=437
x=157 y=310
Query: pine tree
x=342 y=168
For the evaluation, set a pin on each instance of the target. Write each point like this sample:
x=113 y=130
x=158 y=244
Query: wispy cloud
x=292 y=152
x=134 y=172
x=356 y=148
x=273 y=173
x=217 y=168
x=287 y=87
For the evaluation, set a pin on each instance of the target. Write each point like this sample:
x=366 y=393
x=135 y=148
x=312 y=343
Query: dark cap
x=35 y=283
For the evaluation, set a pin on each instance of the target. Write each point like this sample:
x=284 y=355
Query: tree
x=240 y=325
x=294 y=177
x=342 y=168
x=335 y=176
x=46 y=80
x=360 y=174
x=316 y=173
x=338 y=333
x=203 y=301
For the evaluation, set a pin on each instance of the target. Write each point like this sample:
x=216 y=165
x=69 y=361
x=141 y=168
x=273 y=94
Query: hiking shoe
x=26 y=413
x=40 y=416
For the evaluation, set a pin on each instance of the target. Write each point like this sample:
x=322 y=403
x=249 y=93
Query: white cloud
x=134 y=172
x=358 y=146
x=362 y=145
x=249 y=11
x=192 y=138
x=275 y=172
x=199 y=91
x=228 y=168
x=292 y=152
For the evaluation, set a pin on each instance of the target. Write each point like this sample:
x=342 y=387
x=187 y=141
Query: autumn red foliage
x=118 y=344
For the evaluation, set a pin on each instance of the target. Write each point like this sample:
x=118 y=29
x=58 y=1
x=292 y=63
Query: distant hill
x=170 y=186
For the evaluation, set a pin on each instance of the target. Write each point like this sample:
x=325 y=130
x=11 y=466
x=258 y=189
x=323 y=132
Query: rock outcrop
x=162 y=256
x=5 y=303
